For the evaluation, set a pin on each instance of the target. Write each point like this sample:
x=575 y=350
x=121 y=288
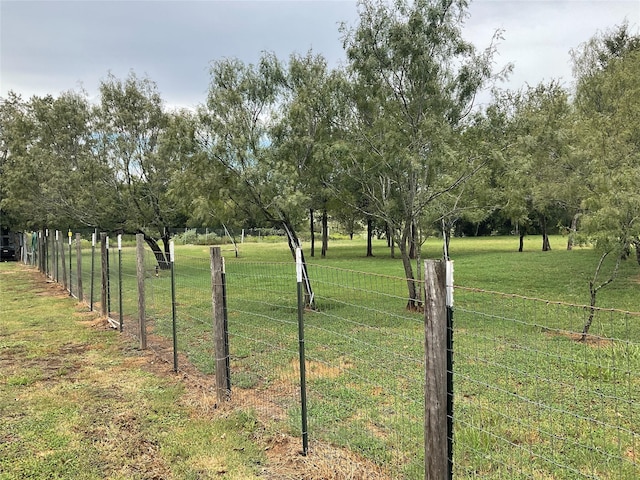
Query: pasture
x=530 y=400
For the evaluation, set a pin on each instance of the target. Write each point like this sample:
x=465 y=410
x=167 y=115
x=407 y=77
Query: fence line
x=531 y=400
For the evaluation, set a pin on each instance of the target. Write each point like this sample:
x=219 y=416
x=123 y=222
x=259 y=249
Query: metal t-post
x=173 y=305
x=120 y=282
x=303 y=373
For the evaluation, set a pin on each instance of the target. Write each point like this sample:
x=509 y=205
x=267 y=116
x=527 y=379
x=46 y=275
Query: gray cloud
x=52 y=46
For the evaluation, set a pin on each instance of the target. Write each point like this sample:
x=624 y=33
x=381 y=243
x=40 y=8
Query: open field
x=530 y=400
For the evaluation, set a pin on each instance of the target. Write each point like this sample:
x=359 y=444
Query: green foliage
x=414 y=79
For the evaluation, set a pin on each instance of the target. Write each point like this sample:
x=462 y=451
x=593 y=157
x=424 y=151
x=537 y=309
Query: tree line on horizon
x=392 y=142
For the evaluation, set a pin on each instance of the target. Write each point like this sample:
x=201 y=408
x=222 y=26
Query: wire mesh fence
x=537 y=399
x=533 y=396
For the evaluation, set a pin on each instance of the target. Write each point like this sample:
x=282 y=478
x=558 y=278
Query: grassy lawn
x=531 y=401
x=79 y=401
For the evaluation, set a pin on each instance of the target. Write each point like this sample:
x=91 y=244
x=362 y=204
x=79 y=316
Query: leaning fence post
x=435 y=390
x=79 y=264
x=217 y=298
x=142 y=318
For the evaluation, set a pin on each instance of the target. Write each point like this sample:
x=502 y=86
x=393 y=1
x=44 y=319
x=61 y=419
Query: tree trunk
x=414 y=302
x=369 y=236
x=159 y=255
x=313 y=235
x=293 y=241
x=636 y=244
x=521 y=247
x=413 y=239
x=546 y=246
x=325 y=233
x=446 y=234
x=572 y=231
x=593 y=291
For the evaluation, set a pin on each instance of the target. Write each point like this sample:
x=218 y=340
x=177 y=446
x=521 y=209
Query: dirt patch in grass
x=591 y=340
x=323 y=462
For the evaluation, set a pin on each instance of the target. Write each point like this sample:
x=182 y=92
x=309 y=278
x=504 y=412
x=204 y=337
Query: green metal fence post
x=303 y=373
x=173 y=305
x=70 y=268
x=449 y=300
x=93 y=265
x=120 y=282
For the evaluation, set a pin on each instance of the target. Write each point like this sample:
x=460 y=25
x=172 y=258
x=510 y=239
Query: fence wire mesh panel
x=535 y=398
x=263 y=340
x=157 y=284
x=365 y=368
x=193 y=311
x=129 y=289
x=87 y=274
x=72 y=258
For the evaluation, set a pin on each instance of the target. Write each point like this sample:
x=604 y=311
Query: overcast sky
x=52 y=46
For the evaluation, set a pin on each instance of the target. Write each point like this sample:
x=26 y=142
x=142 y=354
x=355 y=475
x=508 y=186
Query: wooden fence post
x=217 y=298
x=142 y=318
x=64 y=263
x=103 y=274
x=79 y=265
x=435 y=322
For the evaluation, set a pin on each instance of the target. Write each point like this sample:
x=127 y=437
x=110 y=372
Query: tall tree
x=541 y=166
x=415 y=81
x=261 y=128
x=50 y=176
x=608 y=105
x=130 y=132
x=305 y=134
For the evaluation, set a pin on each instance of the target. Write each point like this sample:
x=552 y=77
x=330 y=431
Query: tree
x=49 y=174
x=415 y=80
x=608 y=106
x=307 y=130
x=134 y=135
x=261 y=135
x=539 y=178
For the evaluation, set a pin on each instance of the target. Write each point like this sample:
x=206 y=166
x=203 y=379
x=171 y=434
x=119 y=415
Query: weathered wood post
x=41 y=258
x=217 y=298
x=79 y=264
x=63 y=262
x=104 y=274
x=54 y=273
x=46 y=251
x=142 y=318
x=435 y=322
x=70 y=235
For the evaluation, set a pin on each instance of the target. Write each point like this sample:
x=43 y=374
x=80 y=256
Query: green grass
x=531 y=401
x=77 y=402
